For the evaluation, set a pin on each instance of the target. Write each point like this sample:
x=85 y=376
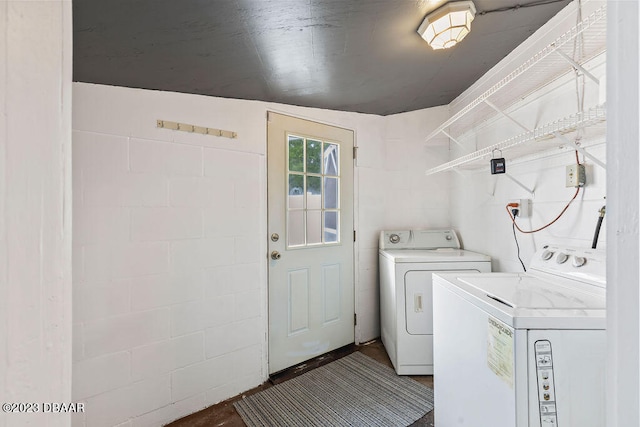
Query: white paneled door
x=310 y=194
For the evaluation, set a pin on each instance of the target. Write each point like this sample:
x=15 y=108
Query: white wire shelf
x=555 y=134
x=542 y=68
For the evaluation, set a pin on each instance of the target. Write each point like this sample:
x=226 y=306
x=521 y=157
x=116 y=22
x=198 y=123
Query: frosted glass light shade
x=448 y=25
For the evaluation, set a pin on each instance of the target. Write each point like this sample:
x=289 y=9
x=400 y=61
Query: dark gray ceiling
x=349 y=55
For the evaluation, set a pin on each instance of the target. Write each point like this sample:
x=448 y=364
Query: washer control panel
x=585 y=265
x=546 y=386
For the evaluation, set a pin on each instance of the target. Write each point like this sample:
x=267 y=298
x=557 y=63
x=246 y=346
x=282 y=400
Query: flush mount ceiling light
x=448 y=25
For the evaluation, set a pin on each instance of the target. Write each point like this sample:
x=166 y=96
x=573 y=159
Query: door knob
x=275 y=255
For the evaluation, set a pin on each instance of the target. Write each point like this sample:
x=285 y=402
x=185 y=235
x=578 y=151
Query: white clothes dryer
x=407 y=259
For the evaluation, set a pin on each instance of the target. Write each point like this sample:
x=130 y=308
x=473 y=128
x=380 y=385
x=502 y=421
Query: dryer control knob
x=546 y=255
x=394 y=238
x=579 y=261
x=562 y=258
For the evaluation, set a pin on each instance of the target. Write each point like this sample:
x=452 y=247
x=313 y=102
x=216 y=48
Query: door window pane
x=314 y=156
x=295 y=228
x=296 y=191
x=314 y=227
x=331 y=227
x=314 y=192
x=330 y=159
x=296 y=154
x=331 y=193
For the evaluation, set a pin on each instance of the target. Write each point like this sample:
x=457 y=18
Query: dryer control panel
x=418 y=239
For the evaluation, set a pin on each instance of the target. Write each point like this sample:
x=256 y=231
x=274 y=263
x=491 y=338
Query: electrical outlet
x=524 y=208
x=576 y=176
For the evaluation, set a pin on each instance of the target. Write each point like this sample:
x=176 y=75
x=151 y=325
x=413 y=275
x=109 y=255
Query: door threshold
x=316 y=362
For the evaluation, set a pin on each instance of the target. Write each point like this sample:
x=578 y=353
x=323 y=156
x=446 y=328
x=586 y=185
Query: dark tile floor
x=224 y=414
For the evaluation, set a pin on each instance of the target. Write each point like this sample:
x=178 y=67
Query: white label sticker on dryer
x=500 y=350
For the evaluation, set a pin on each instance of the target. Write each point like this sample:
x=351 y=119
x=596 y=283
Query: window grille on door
x=313 y=192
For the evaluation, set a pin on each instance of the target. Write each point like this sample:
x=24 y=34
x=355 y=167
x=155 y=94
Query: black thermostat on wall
x=498 y=166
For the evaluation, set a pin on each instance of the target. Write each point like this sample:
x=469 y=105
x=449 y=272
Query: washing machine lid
x=433 y=255
x=525 y=301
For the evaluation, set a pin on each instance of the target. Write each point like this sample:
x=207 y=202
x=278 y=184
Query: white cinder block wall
x=170 y=280
x=35 y=208
x=479 y=198
x=169 y=312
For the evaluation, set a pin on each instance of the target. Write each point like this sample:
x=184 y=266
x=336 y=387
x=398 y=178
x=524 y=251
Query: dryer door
x=419 y=300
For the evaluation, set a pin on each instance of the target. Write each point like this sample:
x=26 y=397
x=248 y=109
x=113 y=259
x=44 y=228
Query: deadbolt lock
x=275 y=237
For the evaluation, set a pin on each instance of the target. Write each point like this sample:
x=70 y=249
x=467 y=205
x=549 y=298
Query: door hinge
x=354 y=235
x=355 y=153
x=355 y=319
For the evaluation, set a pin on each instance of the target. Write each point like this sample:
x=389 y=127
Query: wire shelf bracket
x=578 y=67
x=492 y=105
x=521 y=185
x=458 y=143
x=581 y=150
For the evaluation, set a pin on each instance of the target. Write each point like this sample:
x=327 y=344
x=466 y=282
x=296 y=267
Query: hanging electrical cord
x=513 y=227
x=513 y=217
x=597 y=232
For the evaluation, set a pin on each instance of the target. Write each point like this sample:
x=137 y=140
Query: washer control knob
x=579 y=261
x=562 y=258
x=546 y=255
x=394 y=238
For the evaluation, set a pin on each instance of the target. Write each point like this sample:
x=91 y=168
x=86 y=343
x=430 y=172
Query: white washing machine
x=523 y=349
x=407 y=259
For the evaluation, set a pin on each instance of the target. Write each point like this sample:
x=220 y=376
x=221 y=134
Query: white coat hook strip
x=165 y=124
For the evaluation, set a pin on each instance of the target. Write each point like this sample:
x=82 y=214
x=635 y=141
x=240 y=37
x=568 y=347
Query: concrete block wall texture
x=166 y=257
x=35 y=208
x=170 y=280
